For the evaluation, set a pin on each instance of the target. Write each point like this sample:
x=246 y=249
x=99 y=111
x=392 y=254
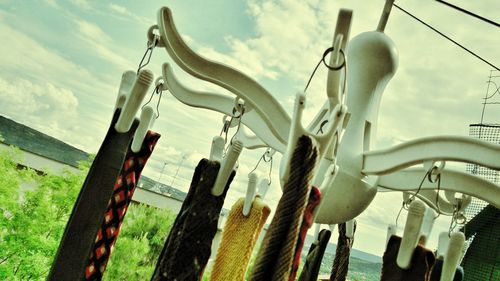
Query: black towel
x=188 y=246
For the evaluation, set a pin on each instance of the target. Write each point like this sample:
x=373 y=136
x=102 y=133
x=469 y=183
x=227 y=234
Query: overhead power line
x=447 y=37
x=468 y=13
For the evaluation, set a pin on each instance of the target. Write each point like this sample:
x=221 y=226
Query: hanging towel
x=117 y=207
x=275 y=257
x=438 y=267
x=307 y=221
x=85 y=220
x=341 y=262
x=316 y=251
x=187 y=249
x=421 y=263
x=238 y=239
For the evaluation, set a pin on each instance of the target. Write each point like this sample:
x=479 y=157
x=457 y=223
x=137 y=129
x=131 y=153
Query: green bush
x=34 y=209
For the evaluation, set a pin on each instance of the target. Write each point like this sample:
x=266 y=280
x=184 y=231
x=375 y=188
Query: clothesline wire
x=468 y=13
x=447 y=37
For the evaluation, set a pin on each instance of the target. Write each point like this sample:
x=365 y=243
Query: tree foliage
x=34 y=209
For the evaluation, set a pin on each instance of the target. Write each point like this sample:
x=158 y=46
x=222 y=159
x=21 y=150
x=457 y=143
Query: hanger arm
x=437 y=148
x=442 y=206
x=409 y=180
x=232 y=80
x=223 y=104
x=333 y=80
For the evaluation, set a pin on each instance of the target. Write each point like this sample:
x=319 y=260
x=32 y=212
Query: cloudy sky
x=62 y=61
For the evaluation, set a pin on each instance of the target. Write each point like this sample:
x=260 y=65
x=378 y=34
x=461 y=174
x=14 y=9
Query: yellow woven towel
x=238 y=239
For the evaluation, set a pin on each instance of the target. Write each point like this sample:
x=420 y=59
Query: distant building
x=44 y=153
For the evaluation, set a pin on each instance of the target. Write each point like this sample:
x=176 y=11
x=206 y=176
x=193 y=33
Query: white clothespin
x=133 y=102
x=146 y=121
x=427 y=224
x=391 y=230
x=126 y=84
x=349 y=228
x=226 y=167
x=250 y=194
x=217 y=149
x=444 y=240
x=453 y=255
x=297 y=130
x=263 y=188
x=317 y=228
x=331 y=227
x=411 y=233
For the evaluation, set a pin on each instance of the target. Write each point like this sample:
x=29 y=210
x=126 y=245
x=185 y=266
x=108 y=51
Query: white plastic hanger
x=453 y=255
x=385 y=15
x=372 y=61
x=442 y=205
x=411 y=234
x=254 y=95
x=250 y=194
x=133 y=102
x=456 y=181
x=225 y=105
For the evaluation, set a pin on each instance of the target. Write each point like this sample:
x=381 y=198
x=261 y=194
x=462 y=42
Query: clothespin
x=146 y=121
x=453 y=255
x=217 y=149
x=126 y=84
x=226 y=167
x=250 y=194
x=133 y=102
x=411 y=233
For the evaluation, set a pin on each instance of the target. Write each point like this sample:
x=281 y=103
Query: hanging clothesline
x=447 y=37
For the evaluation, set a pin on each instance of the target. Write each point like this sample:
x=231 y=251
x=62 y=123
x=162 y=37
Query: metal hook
x=157 y=90
x=149 y=52
x=269 y=153
x=333 y=68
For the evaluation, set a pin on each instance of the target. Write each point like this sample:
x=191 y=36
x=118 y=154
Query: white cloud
x=96 y=40
x=82 y=4
x=44 y=106
x=125 y=14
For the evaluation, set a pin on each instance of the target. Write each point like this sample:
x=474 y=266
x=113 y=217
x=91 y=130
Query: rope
x=341 y=261
x=275 y=256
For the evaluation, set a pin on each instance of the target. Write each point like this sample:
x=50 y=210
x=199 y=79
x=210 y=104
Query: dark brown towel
x=421 y=263
x=316 y=251
x=85 y=220
x=188 y=246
